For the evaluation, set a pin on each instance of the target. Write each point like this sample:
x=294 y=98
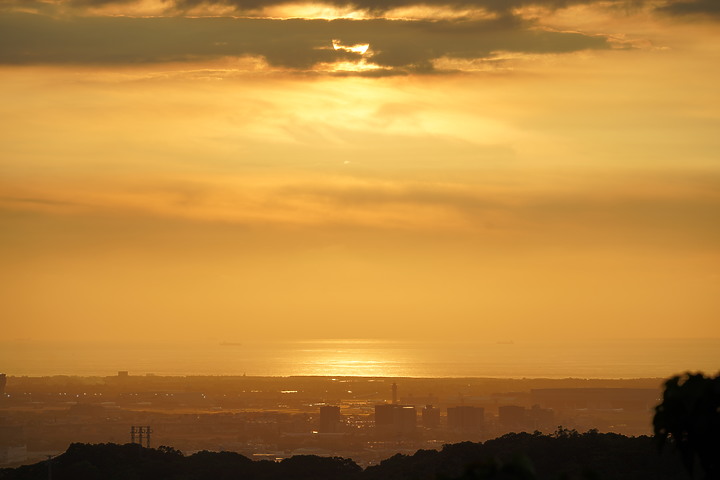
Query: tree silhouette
x=689 y=419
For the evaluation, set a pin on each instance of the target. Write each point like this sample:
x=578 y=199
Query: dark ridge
x=565 y=454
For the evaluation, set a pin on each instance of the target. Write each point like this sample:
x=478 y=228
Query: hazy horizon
x=366 y=358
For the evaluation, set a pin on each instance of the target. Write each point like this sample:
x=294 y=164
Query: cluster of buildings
x=266 y=417
x=406 y=420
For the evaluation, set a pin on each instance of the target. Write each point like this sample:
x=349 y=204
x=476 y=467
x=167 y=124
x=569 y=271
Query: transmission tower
x=140 y=432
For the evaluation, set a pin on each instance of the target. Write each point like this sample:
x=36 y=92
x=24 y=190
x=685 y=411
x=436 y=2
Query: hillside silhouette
x=565 y=454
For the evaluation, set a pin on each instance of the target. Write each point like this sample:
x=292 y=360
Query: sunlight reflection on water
x=618 y=359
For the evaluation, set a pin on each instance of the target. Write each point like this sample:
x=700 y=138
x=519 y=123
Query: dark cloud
x=375 y=6
x=121 y=40
x=692 y=7
x=295 y=43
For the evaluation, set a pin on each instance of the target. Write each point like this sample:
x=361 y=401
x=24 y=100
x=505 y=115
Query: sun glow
x=423 y=12
x=360 y=48
x=313 y=11
x=338 y=67
x=140 y=8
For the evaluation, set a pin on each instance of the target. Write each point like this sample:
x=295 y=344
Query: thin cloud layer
x=297 y=44
x=634 y=213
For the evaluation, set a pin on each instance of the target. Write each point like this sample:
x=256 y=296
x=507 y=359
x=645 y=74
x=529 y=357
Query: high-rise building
x=513 y=417
x=405 y=418
x=465 y=418
x=541 y=418
x=330 y=419
x=384 y=414
x=3 y=382
x=398 y=419
x=430 y=417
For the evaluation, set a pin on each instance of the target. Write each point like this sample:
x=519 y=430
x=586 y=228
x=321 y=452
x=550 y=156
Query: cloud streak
x=660 y=208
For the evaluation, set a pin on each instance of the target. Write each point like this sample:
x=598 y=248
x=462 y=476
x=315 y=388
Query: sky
x=186 y=170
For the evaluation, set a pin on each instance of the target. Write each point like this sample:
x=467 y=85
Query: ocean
x=367 y=358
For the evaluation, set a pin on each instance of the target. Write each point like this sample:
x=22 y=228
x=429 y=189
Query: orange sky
x=528 y=169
